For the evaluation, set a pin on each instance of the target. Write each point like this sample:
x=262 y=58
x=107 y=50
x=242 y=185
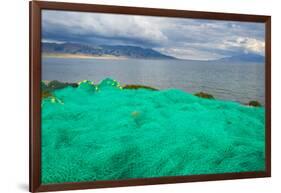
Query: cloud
x=191 y=53
x=90 y=27
x=182 y=38
x=248 y=44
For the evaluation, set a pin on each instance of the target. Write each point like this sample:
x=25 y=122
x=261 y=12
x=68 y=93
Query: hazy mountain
x=116 y=50
x=249 y=57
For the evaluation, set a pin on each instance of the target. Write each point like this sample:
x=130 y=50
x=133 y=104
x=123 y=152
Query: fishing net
x=103 y=132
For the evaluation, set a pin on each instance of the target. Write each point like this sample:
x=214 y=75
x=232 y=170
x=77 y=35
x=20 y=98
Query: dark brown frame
x=35 y=95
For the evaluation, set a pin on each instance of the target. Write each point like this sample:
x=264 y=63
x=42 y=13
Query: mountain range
x=130 y=52
x=245 y=57
x=101 y=50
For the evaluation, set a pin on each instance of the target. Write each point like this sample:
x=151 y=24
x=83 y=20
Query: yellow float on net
x=85 y=81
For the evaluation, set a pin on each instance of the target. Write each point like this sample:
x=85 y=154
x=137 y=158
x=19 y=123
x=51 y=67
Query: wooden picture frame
x=35 y=96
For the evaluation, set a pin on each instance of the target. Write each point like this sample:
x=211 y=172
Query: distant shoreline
x=82 y=56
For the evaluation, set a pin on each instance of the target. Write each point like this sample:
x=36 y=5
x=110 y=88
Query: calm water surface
x=229 y=81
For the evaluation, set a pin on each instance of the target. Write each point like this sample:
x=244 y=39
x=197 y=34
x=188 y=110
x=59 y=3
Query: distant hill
x=101 y=50
x=250 y=57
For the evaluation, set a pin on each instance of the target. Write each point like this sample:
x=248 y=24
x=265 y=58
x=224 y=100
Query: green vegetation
x=204 y=95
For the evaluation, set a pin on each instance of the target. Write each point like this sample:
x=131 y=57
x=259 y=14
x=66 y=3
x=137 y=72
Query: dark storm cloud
x=182 y=38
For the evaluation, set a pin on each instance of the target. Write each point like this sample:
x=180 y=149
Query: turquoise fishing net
x=103 y=132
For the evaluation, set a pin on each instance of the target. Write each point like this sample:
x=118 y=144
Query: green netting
x=101 y=132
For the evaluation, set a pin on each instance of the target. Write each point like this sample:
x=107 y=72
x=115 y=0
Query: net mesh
x=104 y=132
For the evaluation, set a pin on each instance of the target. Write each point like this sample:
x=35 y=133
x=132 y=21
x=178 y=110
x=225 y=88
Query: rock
x=46 y=94
x=59 y=85
x=204 y=95
x=254 y=104
x=132 y=86
x=47 y=89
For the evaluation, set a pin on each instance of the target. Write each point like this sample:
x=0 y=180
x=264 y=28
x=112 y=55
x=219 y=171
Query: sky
x=182 y=38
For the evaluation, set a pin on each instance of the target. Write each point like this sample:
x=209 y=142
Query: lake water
x=240 y=82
